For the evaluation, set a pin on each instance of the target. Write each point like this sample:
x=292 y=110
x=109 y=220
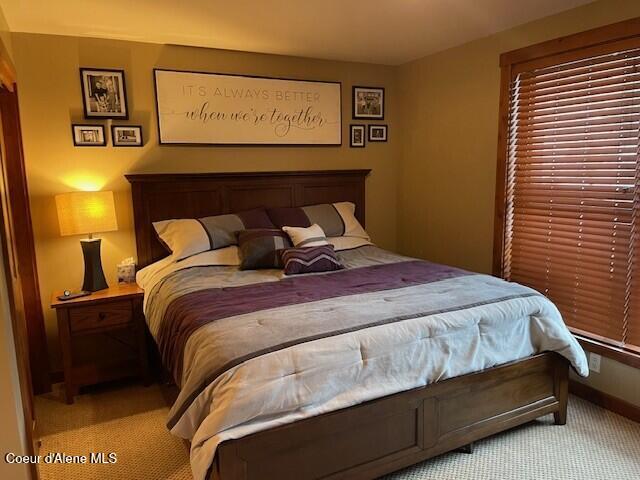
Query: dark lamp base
x=93 y=275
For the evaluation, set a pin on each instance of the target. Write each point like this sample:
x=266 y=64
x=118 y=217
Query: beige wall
x=616 y=379
x=50 y=100
x=450 y=123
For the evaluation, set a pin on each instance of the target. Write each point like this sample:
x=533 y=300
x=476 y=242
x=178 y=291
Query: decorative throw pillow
x=336 y=219
x=188 y=236
x=260 y=248
x=312 y=236
x=310 y=260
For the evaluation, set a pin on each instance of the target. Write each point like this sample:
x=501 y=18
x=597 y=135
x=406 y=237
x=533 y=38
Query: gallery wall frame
x=357 y=135
x=367 y=102
x=127 y=136
x=85 y=135
x=378 y=133
x=104 y=93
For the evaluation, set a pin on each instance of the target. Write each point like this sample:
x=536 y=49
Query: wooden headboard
x=193 y=195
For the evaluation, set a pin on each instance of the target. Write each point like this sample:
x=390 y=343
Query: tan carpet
x=129 y=421
x=594 y=445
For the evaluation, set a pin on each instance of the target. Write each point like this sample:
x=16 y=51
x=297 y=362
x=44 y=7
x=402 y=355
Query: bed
x=406 y=361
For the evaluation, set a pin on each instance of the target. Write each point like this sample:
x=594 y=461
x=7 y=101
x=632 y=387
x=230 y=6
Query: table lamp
x=82 y=213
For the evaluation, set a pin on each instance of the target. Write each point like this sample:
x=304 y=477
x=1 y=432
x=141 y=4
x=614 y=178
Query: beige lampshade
x=86 y=212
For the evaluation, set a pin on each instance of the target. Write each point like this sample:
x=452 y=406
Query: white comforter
x=331 y=373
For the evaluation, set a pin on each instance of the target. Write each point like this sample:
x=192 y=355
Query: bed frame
x=373 y=438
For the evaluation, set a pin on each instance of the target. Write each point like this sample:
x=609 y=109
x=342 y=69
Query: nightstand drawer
x=98 y=316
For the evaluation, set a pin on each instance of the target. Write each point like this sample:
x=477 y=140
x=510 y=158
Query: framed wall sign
x=197 y=108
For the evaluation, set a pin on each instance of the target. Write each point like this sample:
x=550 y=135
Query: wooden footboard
x=384 y=435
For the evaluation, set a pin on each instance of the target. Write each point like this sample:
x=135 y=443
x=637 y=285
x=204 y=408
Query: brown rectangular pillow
x=260 y=248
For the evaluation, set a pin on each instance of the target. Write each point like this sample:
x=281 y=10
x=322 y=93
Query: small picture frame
x=126 y=135
x=88 y=135
x=368 y=102
x=378 y=133
x=357 y=136
x=104 y=94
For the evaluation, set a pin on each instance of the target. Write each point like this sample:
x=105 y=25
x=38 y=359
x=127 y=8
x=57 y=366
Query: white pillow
x=347 y=243
x=352 y=227
x=184 y=237
x=312 y=236
x=151 y=274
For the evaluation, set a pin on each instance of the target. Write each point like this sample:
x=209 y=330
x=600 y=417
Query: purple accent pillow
x=256 y=218
x=310 y=260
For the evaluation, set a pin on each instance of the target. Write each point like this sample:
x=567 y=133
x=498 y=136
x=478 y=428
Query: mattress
x=252 y=350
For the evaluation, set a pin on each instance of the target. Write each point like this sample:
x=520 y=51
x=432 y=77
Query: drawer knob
x=102 y=316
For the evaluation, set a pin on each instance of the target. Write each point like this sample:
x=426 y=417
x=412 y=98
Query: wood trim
x=18 y=205
x=7 y=69
x=618 y=354
x=193 y=195
x=170 y=177
x=604 y=400
x=15 y=295
x=7 y=74
x=596 y=36
x=501 y=172
x=587 y=51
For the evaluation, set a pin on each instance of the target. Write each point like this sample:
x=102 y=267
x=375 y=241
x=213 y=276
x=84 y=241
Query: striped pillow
x=336 y=219
x=189 y=236
x=260 y=248
x=312 y=236
x=310 y=260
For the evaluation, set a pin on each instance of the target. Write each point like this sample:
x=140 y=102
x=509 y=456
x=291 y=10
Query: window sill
x=615 y=353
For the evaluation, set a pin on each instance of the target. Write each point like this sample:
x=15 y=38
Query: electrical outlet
x=594 y=362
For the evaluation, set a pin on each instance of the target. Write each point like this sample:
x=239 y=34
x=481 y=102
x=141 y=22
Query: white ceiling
x=376 y=31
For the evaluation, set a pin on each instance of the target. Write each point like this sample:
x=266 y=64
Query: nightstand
x=88 y=325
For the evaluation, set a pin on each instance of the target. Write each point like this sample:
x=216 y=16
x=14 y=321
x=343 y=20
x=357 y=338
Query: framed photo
x=378 y=133
x=104 y=94
x=126 y=135
x=368 y=102
x=88 y=135
x=357 y=136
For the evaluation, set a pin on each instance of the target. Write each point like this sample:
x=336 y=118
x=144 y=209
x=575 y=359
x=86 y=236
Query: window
x=571 y=196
